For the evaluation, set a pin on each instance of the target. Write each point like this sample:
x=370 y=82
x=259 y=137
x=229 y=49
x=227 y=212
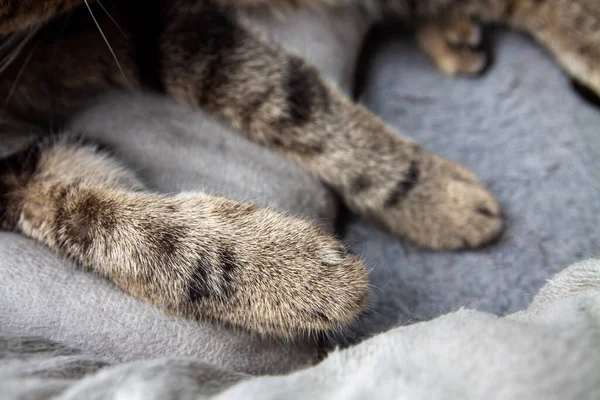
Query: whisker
x=11 y=56
x=18 y=77
x=111 y=17
x=105 y=39
x=9 y=42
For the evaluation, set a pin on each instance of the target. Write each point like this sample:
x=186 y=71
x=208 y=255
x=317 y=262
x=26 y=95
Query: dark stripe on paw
x=304 y=93
x=198 y=286
x=167 y=242
x=229 y=268
x=163 y=238
x=404 y=186
x=161 y=245
x=213 y=281
x=321 y=316
x=360 y=184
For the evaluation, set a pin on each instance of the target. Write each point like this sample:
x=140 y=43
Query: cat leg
x=190 y=254
x=569 y=29
x=277 y=99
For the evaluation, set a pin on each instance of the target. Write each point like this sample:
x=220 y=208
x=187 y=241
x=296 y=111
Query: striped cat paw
x=191 y=254
x=443 y=208
x=287 y=276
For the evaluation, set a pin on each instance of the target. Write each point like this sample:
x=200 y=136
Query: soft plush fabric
x=550 y=351
x=521 y=127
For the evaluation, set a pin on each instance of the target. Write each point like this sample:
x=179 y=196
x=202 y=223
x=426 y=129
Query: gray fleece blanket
x=521 y=127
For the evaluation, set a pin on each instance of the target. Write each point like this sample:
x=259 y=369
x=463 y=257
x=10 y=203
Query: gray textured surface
x=549 y=351
x=529 y=137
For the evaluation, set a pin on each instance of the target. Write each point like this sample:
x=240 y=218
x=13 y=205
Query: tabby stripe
x=404 y=186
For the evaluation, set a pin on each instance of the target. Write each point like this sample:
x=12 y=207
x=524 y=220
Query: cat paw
x=449 y=209
x=290 y=277
x=439 y=204
x=453 y=47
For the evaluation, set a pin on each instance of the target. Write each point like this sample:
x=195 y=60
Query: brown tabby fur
x=202 y=256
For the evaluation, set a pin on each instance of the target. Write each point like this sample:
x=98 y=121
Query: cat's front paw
x=439 y=204
x=285 y=276
x=448 y=210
